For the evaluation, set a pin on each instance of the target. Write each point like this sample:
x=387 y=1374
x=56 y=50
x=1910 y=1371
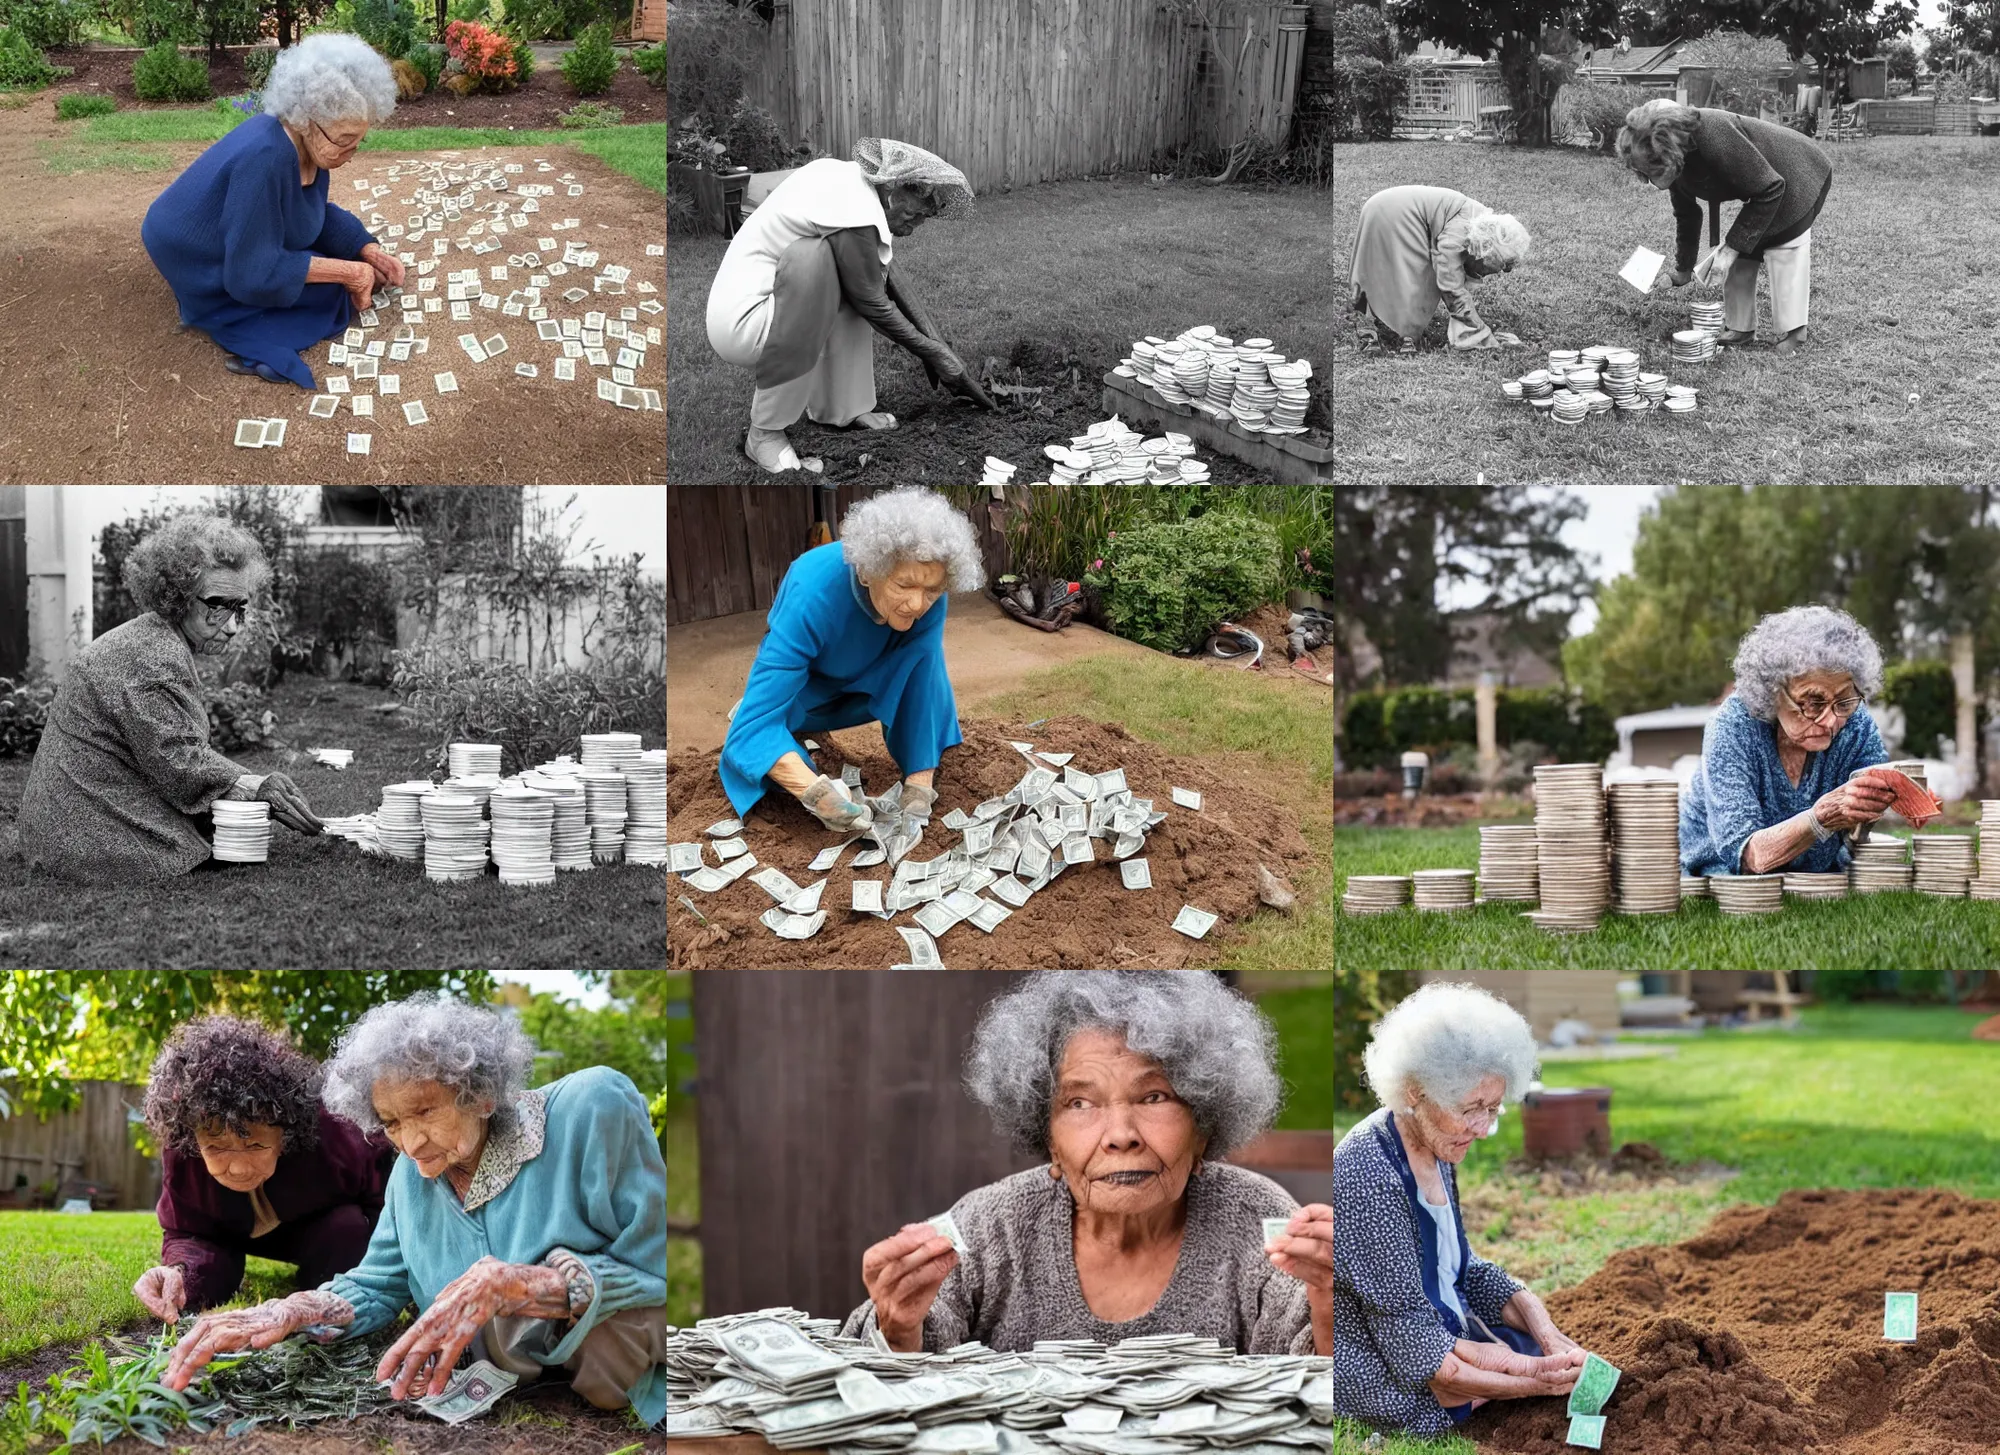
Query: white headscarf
x=885 y=163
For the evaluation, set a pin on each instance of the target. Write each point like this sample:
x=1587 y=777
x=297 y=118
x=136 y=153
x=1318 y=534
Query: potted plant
x=698 y=163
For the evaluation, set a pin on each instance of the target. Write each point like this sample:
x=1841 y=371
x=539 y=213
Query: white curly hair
x=478 y=1051
x=1446 y=1039
x=1497 y=238
x=911 y=524
x=328 y=79
x=1788 y=644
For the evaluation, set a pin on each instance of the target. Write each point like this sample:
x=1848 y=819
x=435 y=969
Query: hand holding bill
x=1305 y=1251
x=903 y=1274
x=383 y=263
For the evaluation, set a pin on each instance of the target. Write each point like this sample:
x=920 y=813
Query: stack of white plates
x=1375 y=893
x=1441 y=889
x=242 y=831
x=604 y=807
x=467 y=759
x=1748 y=893
x=610 y=750
x=1943 y=865
x=646 y=808
x=1508 y=862
x=1569 y=407
x=1816 y=886
x=1987 y=885
x=523 y=821
x=399 y=824
x=1646 y=846
x=569 y=834
x=479 y=789
x=455 y=836
x=1693 y=346
x=1706 y=316
x=1694 y=886
x=1881 y=864
x=1571 y=845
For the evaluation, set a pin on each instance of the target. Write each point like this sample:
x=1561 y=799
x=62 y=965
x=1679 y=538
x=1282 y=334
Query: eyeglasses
x=337 y=146
x=221 y=608
x=1473 y=1119
x=1814 y=708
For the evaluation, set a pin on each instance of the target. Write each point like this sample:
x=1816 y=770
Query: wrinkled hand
x=829 y=802
x=967 y=387
x=360 y=286
x=918 y=801
x=383 y=263
x=903 y=1275
x=1507 y=340
x=224 y=1333
x=1554 y=1341
x=1306 y=1253
x=288 y=804
x=1857 y=801
x=163 y=1290
x=431 y=1346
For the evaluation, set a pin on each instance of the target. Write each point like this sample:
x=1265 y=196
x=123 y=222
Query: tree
x=1899 y=58
x=1971 y=25
x=1832 y=32
x=1530 y=38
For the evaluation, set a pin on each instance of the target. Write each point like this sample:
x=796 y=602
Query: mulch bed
x=1764 y=1334
x=1086 y=919
x=536 y=104
x=1426 y=811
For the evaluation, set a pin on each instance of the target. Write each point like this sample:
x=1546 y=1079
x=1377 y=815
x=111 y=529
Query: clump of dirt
x=1764 y=1334
x=1085 y=920
x=1987 y=1030
x=1269 y=622
x=1632 y=1164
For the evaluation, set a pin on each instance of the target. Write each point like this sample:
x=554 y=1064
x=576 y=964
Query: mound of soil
x=1987 y=1030
x=1269 y=623
x=1764 y=1335
x=1426 y=811
x=1085 y=920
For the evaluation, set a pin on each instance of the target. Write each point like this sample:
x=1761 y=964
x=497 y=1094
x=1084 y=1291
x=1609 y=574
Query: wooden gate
x=13 y=580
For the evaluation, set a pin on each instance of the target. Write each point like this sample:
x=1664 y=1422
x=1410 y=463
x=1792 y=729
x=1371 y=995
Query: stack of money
x=1944 y=864
x=1748 y=893
x=1443 y=889
x=1987 y=885
x=1693 y=886
x=1646 y=846
x=1881 y=863
x=798 y=1383
x=1507 y=862
x=1571 y=846
x=1375 y=893
x=1816 y=886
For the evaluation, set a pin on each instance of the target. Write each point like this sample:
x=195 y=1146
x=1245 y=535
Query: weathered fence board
x=91 y=1142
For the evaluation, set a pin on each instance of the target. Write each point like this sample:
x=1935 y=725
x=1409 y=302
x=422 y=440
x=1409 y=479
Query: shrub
x=151 y=21
x=239 y=716
x=24 y=711
x=1380 y=725
x=164 y=74
x=590 y=66
x=753 y=140
x=344 y=606
x=257 y=64
x=1371 y=79
x=524 y=56
x=23 y=64
x=459 y=698
x=1593 y=112
x=48 y=23
x=1360 y=999
x=466 y=10
x=1167 y=584
x=486 y=56
x=78 y=104
x=388 y=25
x=429 y=59
x=410 y=82
x=650 y=61
x=713 y=49
x=1929 y=700
x=590 y=114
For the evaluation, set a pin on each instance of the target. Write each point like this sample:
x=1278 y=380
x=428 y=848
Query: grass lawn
x=321 y=903
x=142 y=141
x=1083 y=268
x=1911 y=931
x=1895 y=388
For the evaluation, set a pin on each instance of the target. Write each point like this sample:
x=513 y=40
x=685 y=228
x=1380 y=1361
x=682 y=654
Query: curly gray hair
x=330 y=78
x=911 y=524
x=478 y=1051
x=1498 y=239
x=1446 y=1039
x=1654 y=139
x=220 y=1071
x=1213 y=1045
x=163 y=572
x=1788 y=644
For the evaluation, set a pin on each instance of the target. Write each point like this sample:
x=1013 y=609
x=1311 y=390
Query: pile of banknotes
x=794 y=1380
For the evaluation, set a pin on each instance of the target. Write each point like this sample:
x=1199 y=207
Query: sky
x=558 y=982
x=1604 y=536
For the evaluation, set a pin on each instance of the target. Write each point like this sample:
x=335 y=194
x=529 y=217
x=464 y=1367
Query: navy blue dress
x=233 y=236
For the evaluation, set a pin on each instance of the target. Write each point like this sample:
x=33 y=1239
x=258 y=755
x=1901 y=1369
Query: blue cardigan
x=826 y=663
x=233 y=236
x=598 y=1188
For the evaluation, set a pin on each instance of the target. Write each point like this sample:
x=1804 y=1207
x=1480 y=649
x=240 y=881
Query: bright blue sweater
x=1741 y=788
x=598 y=1188
x=233 y=236
x=827 y=663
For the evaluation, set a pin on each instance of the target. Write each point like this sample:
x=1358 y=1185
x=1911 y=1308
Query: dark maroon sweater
x=205 y=1227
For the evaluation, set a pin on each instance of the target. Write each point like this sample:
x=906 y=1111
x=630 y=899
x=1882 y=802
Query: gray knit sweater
x=1017 y=1282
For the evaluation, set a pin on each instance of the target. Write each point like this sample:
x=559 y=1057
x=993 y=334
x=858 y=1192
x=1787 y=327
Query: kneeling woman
x=252 y=1165
x=1419 y=246
x=856 y=636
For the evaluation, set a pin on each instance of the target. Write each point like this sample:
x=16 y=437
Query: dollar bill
x=1078 y=849
x=776 y=883
x=793 y=926
x=1586 y=1431
x=724 y=828
x=949 y=1229
x=868 y=858
x=978 y=837
x=1111 y=782
x=730 y=848
x=683 y=858
x=1034 y=858
x=1127 y=845
x=1186 y=798
x=851 y=776
x=1593 y=1386
x=710 y=880
x=937 y=918
x=806 y=900
x=988 y=916
x=825 y=859
x=1194 y=923
x=923 y=949
x=1010 y=890
x=471 y=1392
x=780 y=1354
x=868 y=895
x=1899 y=1318
x=1274 y=1228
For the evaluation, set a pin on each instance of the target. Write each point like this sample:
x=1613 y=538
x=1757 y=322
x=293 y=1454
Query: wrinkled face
x=1450 y=1131
x=1124 y=1141
x=1665 y=177
x=1821 y=694
x=907 y=206
x=204 y=632
x=334 y=145
x=907 y=592
x=425 y=1122
x=240 y=1163
x=1479 y=268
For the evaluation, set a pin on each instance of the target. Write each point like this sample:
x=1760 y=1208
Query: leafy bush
x=467 y=10
x=712 y=47
x=1929 y=700
x=1371 y=79
x=257 y=64
x=1167 y=584
x=1360 y=999
x=164 y=74
x=650 y=61
x=1593 y=111
x=590 y=114
x=239 y=716
x=23 y=64
x=1380 y=726
x=533 y=716
x=485 y=57
x=591 y=65
x=77 y=104
x=48 y=23
x=752 y=140
x=524 y=55
x=24 y=711
x=429 y=59
x=388 y=25
x=563 y=19
x=345 y=605
x=410 y=82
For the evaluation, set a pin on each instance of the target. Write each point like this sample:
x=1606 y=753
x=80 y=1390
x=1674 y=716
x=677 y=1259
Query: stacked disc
x=1653 y=389
x=610 y=750
x=1693 y=346
x=1621 y=378
x=604 y=808
x=1679 y=399
x=1706 y=316
x=1646 y=846
x=1443 y=888
x=1508 y=863
x=569 y=829
x=1816 y=886
x=1561 y=359
x=399 y=822
x=242 y=831
x=1569 y=407
x=455 y=836
x=1943 y=864
x=1375 y=893
x=1881 y=864
x=1570 y=845
x=1538 y=384
x=646 y=809
x=478 y=789
x=1748 y=893
x=1987 y=885
x=523 y=822
x=1694 y=886
x=466 y=760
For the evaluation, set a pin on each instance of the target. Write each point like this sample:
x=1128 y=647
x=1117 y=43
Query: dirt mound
x=1764 y=1334
x=1086 y=919
x=1987 y=1030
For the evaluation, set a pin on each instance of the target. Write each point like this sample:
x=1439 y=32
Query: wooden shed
x=649 y=20
x=1548 y=996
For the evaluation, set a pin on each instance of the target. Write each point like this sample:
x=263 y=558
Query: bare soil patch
x=1426 y=811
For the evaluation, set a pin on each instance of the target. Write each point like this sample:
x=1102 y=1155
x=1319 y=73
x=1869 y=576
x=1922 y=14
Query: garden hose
x=1220 y=646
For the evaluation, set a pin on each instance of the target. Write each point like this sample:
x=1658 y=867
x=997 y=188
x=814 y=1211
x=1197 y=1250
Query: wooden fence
x=91 y=1142
x=13 y=580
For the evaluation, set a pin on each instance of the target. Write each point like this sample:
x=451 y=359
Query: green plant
x=712 y=46
x=239 y=716
x=484 y=57
x=590 y=114
x=23 y=64
x=1594 y=111
x=752 y=139
x=1167 y=585
x=164 y=74
x=48 y=23
x=591 y=64
x=524 y=55
x=428 y=58
x=388 y=25
x=78 y=104
x=257 y=65
x=1370 y=77
x=1360 y=999
x=344 y=607
x=1929 y=700
x=651 y=62
x=459 y=698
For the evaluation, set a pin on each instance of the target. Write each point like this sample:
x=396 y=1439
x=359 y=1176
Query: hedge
x=1360 y=999
x=1929 y=700
x=1382 y=725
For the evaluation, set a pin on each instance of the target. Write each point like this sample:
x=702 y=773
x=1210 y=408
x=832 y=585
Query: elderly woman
x=251 y=1165
x=1428 y=1331
x=257 y=257
x=1705 y=155
x=1419 y=246
x=1132 y=1085
x=1774 y=790
x=808 y=276
x=527 y=1226
x=857 y=635
x=120 y=787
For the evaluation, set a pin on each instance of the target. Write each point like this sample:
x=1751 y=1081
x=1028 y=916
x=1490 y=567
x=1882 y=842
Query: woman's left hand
x=1554 y=1341
x=465 y=1306
x=1305 y=1251
x=387 y=266
x=288 y=804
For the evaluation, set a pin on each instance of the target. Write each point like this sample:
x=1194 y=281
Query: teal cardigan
x=598 y=1188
